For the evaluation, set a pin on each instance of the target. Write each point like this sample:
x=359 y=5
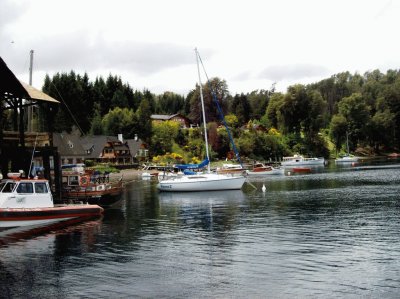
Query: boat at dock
x=80 y=184
x=26 y=202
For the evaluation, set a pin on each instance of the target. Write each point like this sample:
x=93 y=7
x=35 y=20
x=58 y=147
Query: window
x=7 y=187
x=40 y=188
x=73 y=180
x=25 y=188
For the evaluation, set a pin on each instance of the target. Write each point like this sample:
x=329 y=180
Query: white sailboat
x=347 y=158
x=204 y=181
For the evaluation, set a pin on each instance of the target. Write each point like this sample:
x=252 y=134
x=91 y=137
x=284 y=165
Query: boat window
x=7 y=187
x=40 y=188
x=73 y=180
x=25 y=188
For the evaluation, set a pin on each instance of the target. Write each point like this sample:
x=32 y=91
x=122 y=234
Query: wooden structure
x=17 y=146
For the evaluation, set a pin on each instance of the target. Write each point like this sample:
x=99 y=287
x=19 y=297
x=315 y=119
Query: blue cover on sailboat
x=189 y=172
x=192 y=166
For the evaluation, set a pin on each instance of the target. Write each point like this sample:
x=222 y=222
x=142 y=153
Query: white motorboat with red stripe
x=29 y=202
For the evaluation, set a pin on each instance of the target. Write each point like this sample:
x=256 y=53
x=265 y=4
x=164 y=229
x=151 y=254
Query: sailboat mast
x=202 y=109
x=30 y=108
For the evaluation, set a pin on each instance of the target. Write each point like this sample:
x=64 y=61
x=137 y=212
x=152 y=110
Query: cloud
x=293 y=72
x=79 y=51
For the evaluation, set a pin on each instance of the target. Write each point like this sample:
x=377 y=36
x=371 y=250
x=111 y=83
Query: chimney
x=120 y=138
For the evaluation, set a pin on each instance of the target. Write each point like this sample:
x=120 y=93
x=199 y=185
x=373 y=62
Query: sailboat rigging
x=205 y=181
x=347 y=157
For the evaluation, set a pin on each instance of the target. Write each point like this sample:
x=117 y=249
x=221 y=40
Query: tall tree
x=144 y=116
x=241 y=108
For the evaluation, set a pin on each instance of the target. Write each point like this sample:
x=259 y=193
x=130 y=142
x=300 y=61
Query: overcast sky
x=150 y=43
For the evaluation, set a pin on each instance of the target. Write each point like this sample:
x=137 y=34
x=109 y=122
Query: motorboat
x=80 y=184
x=301 y=169
x=300 y=160
x=230 y=168
x=29 y=202
x=260 y=169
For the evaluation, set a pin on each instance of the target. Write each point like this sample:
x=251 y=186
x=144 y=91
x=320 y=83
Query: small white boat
x=260 y=169
x=29 y=202
x=300 y=160
x=346 y=159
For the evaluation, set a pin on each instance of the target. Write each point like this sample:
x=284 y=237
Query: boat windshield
x=7 y=187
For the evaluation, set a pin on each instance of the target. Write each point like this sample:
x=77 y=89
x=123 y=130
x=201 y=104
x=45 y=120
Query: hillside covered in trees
x=310 y=119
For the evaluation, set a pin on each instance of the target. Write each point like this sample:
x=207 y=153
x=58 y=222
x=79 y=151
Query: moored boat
x=301 y=169
x=346 y=159
x=83 y=185
x=300 y=160
x=191 y=181
x=262 y=169
x=29 y=202
x=202 y=182
x=230 y=168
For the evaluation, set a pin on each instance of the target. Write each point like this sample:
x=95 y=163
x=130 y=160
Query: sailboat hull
x=205 y=182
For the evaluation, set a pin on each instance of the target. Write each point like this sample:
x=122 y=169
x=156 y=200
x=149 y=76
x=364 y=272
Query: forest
x=313 y=119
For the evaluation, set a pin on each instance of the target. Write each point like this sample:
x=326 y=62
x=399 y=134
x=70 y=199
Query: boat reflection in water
x=212 y=211
x=196 y=198
x=11 y=235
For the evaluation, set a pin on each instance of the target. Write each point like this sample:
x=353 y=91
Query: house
x=105 y=149
x=108 y=149
x=138 y=149
x=184 y=121
x=69 y=147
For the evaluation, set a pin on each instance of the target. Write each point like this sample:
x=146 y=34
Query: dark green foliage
x=170 y=103
x=366 y=107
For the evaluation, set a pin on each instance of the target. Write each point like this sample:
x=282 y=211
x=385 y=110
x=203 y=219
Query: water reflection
x=334 y=233
x=31 y=265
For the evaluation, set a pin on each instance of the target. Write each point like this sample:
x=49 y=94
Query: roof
x=160 y=116
x=9 y=83
x=166 y=117
x=68 y=144
x=11 y=87
x=134 y=145
x=37 y=94
x=94 y=144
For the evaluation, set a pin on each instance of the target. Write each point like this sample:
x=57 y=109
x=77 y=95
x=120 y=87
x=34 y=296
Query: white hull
x=346 y=160
x=306 y=161
x=275 y=171
x=31 y=223
x=203 y=182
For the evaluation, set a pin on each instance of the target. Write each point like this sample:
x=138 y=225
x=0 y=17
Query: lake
x=332 y=233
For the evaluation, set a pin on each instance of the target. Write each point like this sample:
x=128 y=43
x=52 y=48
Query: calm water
x=334 y=233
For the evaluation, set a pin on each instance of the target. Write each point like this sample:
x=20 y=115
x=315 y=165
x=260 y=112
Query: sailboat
x=347 y=158
x=207 y=181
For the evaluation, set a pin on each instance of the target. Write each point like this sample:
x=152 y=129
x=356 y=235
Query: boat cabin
x=16 y=192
